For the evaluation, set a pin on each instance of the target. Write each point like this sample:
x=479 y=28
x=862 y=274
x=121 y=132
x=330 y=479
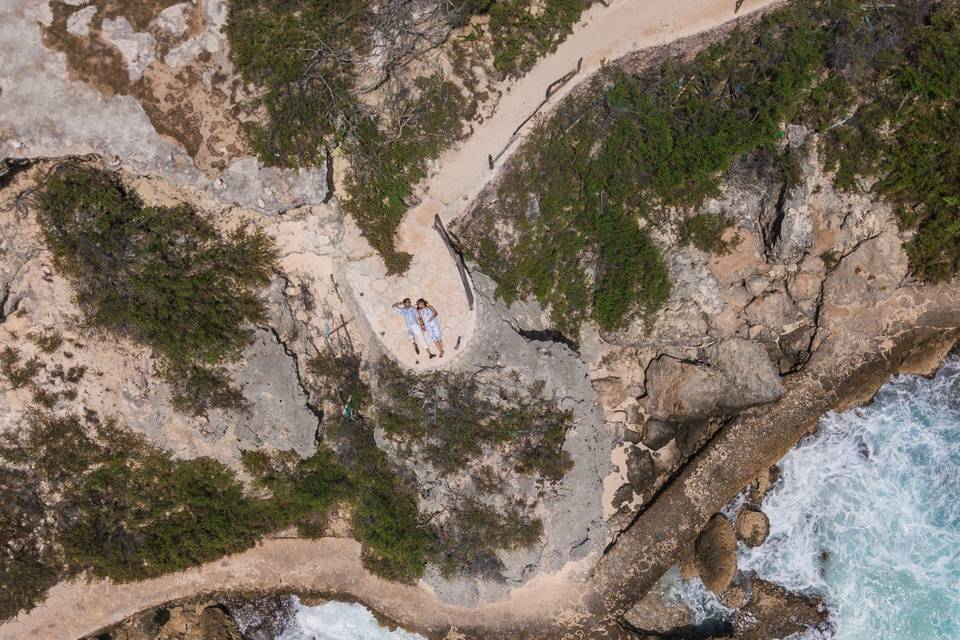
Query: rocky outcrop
x=774 y=612
x=571 y=509
x=715 y=554
x=164 y=116
x=752 y=526
x=740 y=375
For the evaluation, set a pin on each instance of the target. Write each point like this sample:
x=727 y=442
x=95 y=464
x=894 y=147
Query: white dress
x=432 y=324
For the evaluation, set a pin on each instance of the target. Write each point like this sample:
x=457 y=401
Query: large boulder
x=737 y=375
x=774 y=612
x=715 y=554
x=658 y=434
x=215 y=624
x=752 y=526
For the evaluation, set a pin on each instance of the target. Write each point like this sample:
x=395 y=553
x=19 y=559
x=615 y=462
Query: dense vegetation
x=304 y=57
x=163 y=276
x=311 y=62
x=705 y=232
x=875 y=79
x=891 y=114
x=521 y=32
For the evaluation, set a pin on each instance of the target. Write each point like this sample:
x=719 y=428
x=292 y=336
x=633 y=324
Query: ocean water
x=867 y=514
x=339 y=621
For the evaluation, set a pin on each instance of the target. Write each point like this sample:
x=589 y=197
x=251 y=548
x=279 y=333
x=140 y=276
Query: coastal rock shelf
x=678 y=240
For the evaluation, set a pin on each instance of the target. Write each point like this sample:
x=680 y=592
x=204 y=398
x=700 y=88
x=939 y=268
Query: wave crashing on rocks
x=866 y=514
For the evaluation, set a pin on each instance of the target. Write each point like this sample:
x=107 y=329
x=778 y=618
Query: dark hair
x=419 y=300
x=405 y=300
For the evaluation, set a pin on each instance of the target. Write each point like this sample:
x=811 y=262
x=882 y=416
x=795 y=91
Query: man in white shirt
x=412 y=320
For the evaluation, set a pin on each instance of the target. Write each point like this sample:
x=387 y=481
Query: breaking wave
x=339 y=621
x=867 y=514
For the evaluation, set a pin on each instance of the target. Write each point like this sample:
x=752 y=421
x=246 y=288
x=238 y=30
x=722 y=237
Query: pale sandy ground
x=328 y=565
x=333 y=565
x=605 y=34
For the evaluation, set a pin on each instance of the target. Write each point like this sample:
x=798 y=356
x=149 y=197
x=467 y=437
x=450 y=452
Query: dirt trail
x=333 y=565
x=328 y=565
x=604 y=34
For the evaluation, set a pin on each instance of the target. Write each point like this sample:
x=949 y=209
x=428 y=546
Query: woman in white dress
x=430 y=325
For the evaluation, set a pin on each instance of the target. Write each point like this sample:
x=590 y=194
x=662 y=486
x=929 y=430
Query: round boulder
x=716 y=554
x=753 y=527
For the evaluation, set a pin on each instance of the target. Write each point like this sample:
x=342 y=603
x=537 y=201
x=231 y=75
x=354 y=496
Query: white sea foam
x=867 y=514
x=340 y=621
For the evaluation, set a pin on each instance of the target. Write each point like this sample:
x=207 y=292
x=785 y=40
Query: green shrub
x=134 y=519
x=28 y=565
x=705 y=232
x=386 y=161
x=451 y=418
x=522 y=31
x=475 y=531
x=302 y=56
x=386 y=519
x=877 y=81
x=302 y=490
x=48 y=341
x=18 y=374
x=161 y=275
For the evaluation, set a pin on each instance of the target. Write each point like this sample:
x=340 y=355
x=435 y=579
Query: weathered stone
x=762 y=485
x=657 y=434
x=622 y=496
x=78 y=23
x=654 y=615
x=641 y=471
x=610 y=392
x=260 y=618
x=138 y=48
x=734 y=597
x=774 y=612
x=716 y=554
x=752 y=526
x=740 y=375
x=215 y=624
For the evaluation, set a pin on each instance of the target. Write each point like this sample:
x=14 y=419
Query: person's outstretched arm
x=433 y=311
x=397 y=305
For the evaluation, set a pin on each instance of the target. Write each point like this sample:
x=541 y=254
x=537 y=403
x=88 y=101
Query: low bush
x=387 y=159
x=522 y=31
x=451 y=418
x=475 y=531
x=28 y=564
x=163 y=276
x=17 y=372
x=705 y=232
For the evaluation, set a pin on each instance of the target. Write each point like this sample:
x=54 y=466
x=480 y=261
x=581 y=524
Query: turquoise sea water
x=867 y=514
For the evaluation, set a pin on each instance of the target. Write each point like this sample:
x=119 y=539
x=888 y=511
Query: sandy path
x=604 y=34
x=333 y=565
x=328 y=565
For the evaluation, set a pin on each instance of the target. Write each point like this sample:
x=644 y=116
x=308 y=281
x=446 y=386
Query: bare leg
x=439 y=344
x=416 y=349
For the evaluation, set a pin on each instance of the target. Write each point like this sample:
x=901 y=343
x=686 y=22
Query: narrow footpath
x=605 y=34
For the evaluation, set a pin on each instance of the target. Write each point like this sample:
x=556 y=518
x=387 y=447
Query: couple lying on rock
x=421 y=321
